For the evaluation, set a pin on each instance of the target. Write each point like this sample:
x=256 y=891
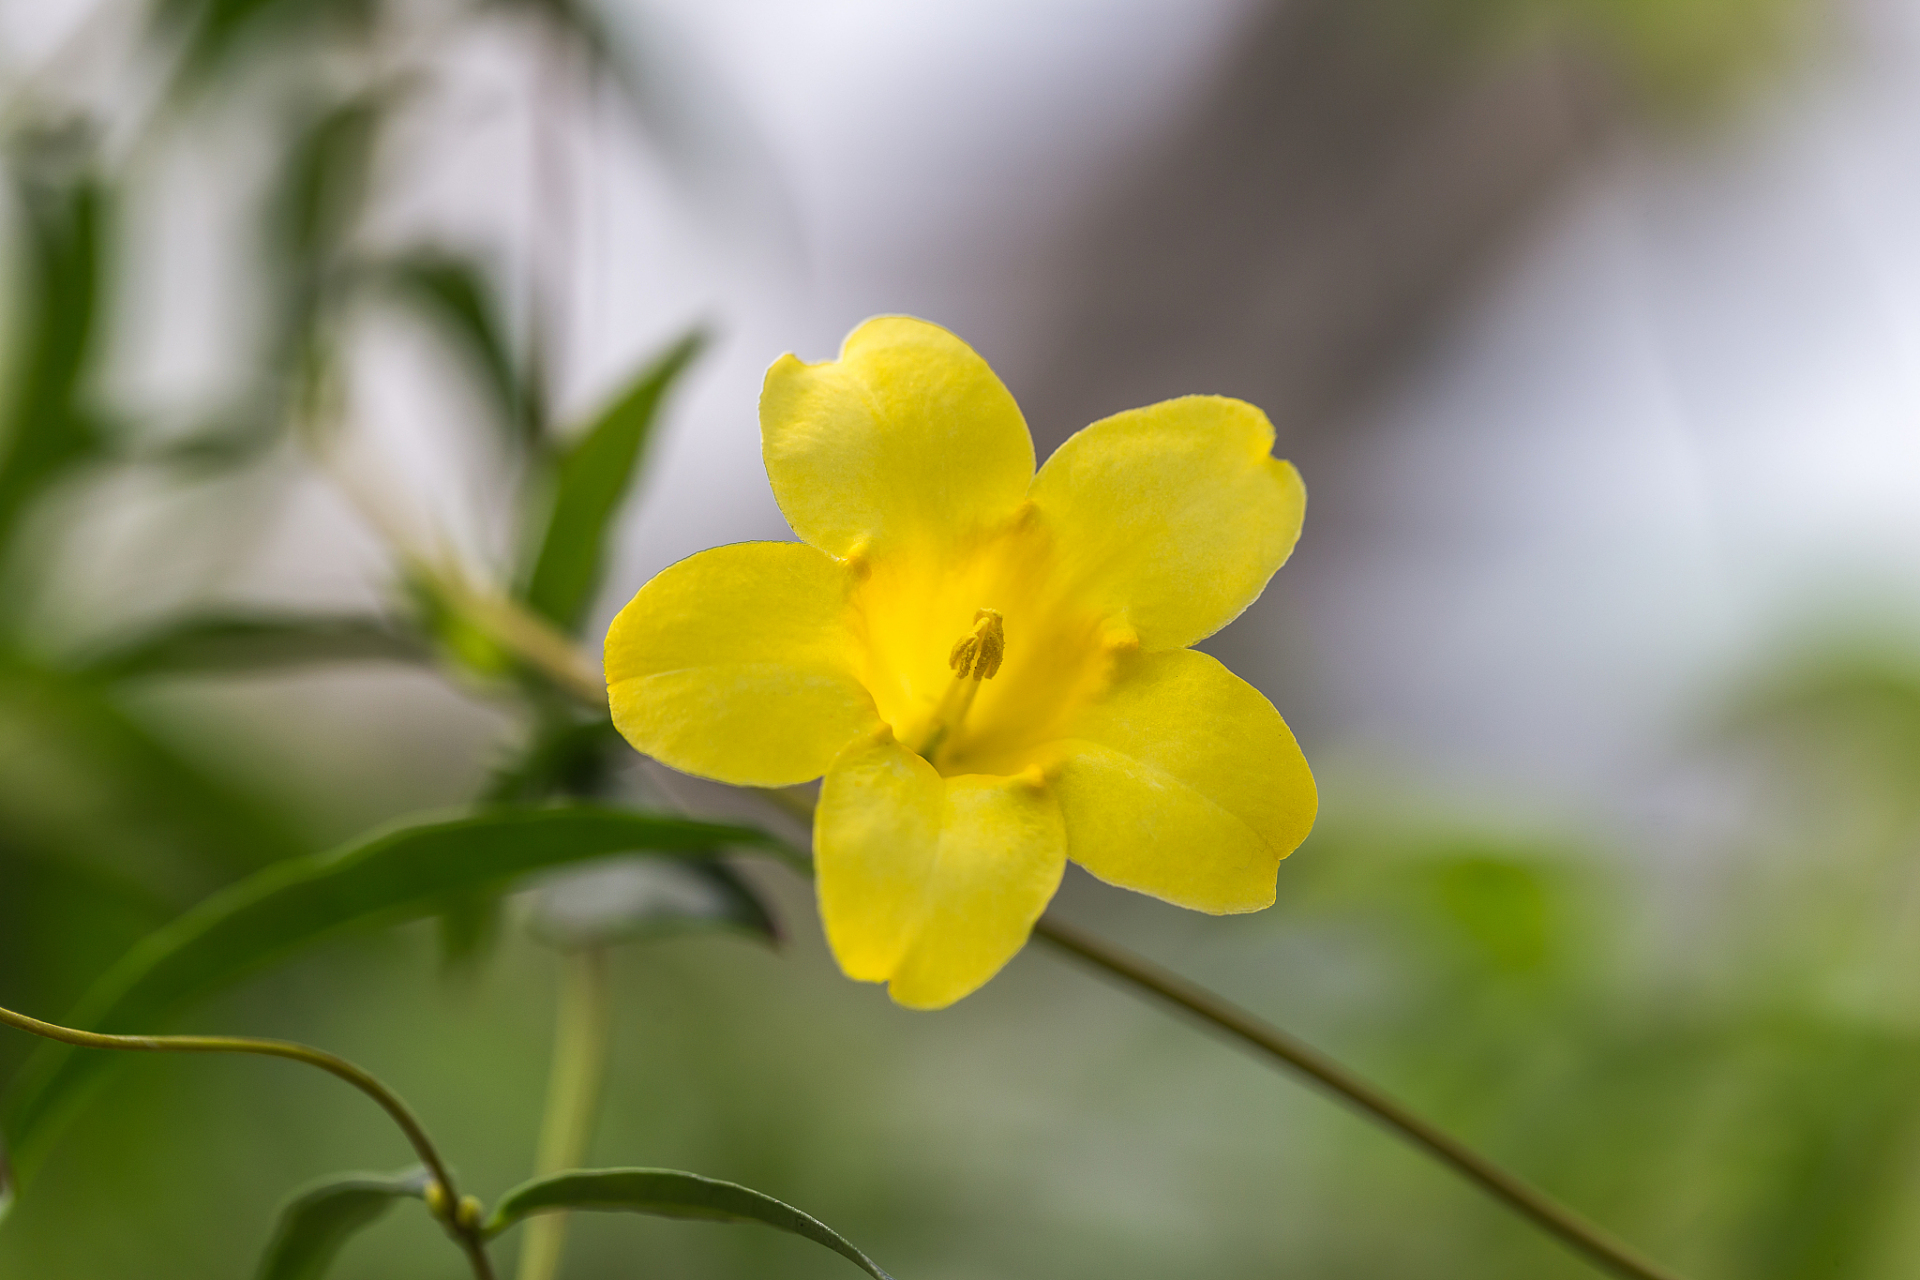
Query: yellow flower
x=989 y=666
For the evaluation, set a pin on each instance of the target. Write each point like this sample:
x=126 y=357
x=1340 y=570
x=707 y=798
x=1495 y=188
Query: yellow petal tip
x=907 y=1000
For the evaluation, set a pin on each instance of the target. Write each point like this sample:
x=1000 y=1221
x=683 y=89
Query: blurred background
x=1594 y=326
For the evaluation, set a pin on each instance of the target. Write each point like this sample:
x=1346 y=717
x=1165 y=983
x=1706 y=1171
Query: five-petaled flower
x=989 y=666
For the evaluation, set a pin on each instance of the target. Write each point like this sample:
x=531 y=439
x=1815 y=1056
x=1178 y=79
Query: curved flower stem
x=1143 y=975
x=465 y=1233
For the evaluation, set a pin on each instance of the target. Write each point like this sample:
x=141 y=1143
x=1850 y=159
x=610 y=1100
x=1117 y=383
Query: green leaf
x=572 y=759
x=238 y=642
x=214 y=29
x=45 y=430
x=324 y=182
x=667 y=1193
x=317 y=1223
x=593 y=478
x=400 y=874
x=308 y=213
x=455 y=292
x=102 y=781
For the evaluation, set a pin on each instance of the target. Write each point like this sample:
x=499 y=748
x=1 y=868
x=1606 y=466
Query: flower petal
x=732 y=664
x=907 y=438
x=931 y=884
x=1184 y=783
x=1173 y=516
x=876 y=844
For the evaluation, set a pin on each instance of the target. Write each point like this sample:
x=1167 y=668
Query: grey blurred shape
x=633 y=899
x=1334 y=189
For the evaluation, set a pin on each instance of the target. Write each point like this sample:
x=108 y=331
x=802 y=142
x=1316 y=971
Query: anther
x=978 y=653
x=975 y=657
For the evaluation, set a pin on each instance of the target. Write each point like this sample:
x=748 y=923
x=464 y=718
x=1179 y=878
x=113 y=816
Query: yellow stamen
x=978 y=653
x=976 y=656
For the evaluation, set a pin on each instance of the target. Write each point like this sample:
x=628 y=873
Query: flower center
x=976 y=656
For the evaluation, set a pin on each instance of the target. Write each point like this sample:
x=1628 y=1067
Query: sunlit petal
x=908 y=439
x=931 y=883
x=734 y=664
x=1174 y=516
x=1184 y=783
x=876 y=846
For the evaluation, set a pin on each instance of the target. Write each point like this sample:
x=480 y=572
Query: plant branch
x=468 y=1239
x=573 y=1097
x=1143 y=976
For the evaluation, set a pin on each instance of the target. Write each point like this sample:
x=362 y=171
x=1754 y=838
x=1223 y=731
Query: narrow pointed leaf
x=400 y=874
x=317 y=1223
x=456 y=294
x=216 y=643
x=45 y=429
x=215 y=29
x=593 y=480
x=668 y=1193
x=323 y=184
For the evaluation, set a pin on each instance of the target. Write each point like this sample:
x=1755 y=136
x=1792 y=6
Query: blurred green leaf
x=222 y=444
x=311 y=206
x=396 y=875
x=459 y=639
x=667 y=1193
x=567 y=758
x=213 y=30
x=629 y=900
x=594 y=477
x=456 y=293
x=1872 y=697
x=99 y=778
x=317 y=1223
x=1503 y=906
x=210 y=644
x=1842 y=1117
x=1683 y=57
x=571 y=759
x=44 y=428
x=324 y=184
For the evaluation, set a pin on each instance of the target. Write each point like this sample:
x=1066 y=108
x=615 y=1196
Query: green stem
x=1142 y=974
x=573 y=1097
x=467 y=1237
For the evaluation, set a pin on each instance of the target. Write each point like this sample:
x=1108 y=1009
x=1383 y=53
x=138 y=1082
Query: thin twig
x=1144 y=975
x=468 y=1238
